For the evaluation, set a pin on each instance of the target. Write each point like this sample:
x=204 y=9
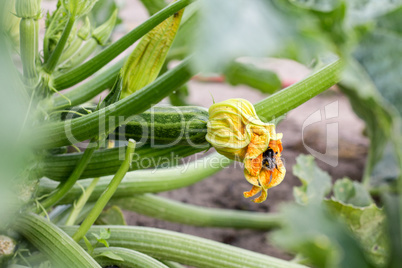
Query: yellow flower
x=236 y=132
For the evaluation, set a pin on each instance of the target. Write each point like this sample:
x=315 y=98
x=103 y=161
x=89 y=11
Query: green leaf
x=226 y=32
x=102 y=11
x=393 y=208
x=380 y=54
x=102 y=237
x=153 y=6
x=351 y=192
x=379 y=117
x=316 y=234
x=110 y=255
x=367 y=223
x=111 y=216
x=315 y=182
x=105 y=233
x=386 y=169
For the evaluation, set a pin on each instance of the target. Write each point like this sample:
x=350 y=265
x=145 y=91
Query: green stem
x=169 y=210
x=28 y=48
x=81 y=202
x=132 y=258
x=107 y=194
x=53 y=242
x=172 y=264
x=289 y=98
x=88 y=90
x=80 y=73
x=64 y=187
x=82 y=54
x=54 y=134
x=54 y=58
x=148 y=181
x=185 y=249
x=71 y=50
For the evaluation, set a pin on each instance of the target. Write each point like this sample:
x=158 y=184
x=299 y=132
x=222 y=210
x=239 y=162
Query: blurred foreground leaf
x=232 y=28
x=380 y=54
x=368 y=224
x=393 y=209
x=16 y=182
x=316 y=234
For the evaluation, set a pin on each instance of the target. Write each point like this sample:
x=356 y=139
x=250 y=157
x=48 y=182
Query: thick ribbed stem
x=185 y=249
x=170 y=210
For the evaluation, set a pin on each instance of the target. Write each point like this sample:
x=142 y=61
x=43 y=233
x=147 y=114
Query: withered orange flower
x=264 y=171
x=235 y=131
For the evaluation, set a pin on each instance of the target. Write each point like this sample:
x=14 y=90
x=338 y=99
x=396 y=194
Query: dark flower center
x=268 y=159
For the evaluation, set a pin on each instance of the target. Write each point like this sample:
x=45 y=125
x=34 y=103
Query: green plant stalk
x=65 y=186
x=77 y=207
x=71 y=50
x=132 y=258
x=172 y=264
x=107 y=194
x=28 y=48
x=54 y=134
x=107 y=162
x=186 y=249
x=82 y=54
x=48 y=32
x=289 y=98
x=80 y=73
x=88 y=90
x=169 y=210
x=58 y=213
x=147 y=181
x=62 y=218
x=238 y=73
x=53 y=242
x=55 y=56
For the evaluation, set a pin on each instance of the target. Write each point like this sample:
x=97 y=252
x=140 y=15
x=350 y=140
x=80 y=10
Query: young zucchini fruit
x=107 y=162
x=186 y=125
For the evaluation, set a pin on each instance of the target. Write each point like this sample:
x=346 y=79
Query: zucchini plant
x=65 y=158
